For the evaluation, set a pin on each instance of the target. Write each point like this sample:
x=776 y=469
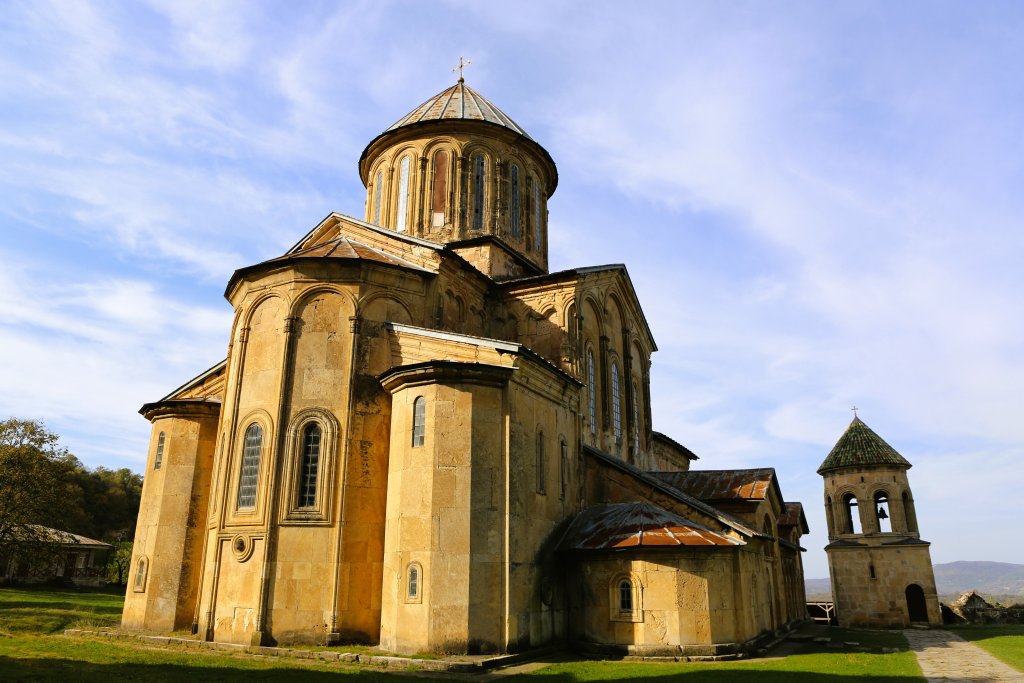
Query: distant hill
x=991 y=579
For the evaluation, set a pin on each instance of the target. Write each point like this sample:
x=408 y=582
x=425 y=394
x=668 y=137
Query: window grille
x=253 y=445
x=309 y=466
x=591 y=393
x=514 y=210
x=616 y=405
x=419 y=421
x=159 y=452
x=478 y=192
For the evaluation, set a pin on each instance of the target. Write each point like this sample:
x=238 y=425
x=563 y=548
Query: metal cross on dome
x=462 y=64
x=854 y=409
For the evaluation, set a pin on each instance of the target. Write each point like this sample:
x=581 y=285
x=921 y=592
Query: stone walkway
x=947 y=658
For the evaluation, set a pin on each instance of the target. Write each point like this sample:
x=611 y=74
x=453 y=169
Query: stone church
x=423 y=438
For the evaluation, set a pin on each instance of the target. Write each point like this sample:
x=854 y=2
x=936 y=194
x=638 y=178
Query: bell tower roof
x=459 y=102
x=859 y=446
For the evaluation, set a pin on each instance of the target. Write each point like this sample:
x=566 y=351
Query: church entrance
x=916 y=606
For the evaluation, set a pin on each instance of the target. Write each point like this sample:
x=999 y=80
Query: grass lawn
x=1004 y=641
x=32 y=648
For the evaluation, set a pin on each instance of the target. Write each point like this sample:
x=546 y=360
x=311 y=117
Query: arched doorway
x=916 y=606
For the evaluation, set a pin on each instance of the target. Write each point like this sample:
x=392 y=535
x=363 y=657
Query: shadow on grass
x=31 y=670
x=64 y=606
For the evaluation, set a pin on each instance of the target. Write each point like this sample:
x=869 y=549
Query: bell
x=882 y=514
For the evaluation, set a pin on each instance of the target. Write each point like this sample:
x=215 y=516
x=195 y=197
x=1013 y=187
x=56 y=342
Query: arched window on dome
x=403 y=194
x=479 y=178
x=591 y=393
x=439 y=191
x=378 y=203
x=514 y=203
x=616 y=405
x=536 y=214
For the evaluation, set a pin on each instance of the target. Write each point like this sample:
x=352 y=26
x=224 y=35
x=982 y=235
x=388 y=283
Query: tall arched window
x=439 y=192
x=636 y=421
x=378 y=206
x=542 y=464
x=247 y=478
x=616 y=405
x=479 y=176
x=413 y=582
x=591 y=393
x=536 y=213
x=514 y=204
x=403 y=194
x=309 y=466
x=159 y=460
x=419 y=421
x=851 y=519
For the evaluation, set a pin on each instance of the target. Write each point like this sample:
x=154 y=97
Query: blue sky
x=819 y=205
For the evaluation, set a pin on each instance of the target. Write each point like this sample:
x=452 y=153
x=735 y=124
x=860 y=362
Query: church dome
x=458 y=170
x=458 y=102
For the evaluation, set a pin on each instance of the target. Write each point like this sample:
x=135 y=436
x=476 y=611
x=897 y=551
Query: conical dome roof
x=459 y=102
x=859 y=446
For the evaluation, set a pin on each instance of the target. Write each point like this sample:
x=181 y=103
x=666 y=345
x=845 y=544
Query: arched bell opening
x=882 y=517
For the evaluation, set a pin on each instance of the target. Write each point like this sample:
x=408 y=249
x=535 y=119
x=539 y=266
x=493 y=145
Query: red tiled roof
x=721 y=484
x=618 y=526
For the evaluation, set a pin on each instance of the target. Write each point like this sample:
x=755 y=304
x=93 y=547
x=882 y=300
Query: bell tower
x=881 y=570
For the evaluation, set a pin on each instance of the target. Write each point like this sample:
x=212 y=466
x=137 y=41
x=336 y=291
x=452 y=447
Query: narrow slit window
x=636 y=421
x=514 y=209
x=253 y=445
x=541 y=463
x=419 y=421
x=591 y=393
x=159 y=460
x=616 y=405
x=413 y=583
x=563 y=468
x=309 y=466
x=403 y=195
x=479 y=176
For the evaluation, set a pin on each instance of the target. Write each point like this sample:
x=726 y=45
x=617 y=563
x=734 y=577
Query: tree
x=35 y=485
x=120 y=560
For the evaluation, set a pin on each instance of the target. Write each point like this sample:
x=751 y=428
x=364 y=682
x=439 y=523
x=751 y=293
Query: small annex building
x=73 y=558
x=422 y=438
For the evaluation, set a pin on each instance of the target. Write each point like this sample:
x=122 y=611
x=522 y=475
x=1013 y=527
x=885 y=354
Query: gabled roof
x=459 y=102
x=859 y=446
x=347 y=248
x=575 y=273
x=716 y=485
x=727 y=520
x=620 y=526
x=793 y=515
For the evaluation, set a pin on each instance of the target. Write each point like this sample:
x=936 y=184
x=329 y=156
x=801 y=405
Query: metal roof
x=712 y=485
x=619 y=526
x=859 y=446
x=459 y=102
